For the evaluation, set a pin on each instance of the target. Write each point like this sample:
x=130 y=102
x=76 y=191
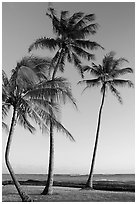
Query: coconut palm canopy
x=14 y=92
x=107 y=74
x=71 y=40
x=29 y=90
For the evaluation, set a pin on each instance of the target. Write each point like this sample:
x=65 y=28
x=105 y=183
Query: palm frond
x=23 y=121
x=119 y=62
x=35 y=113
x=122 y=82
x=92 y=71
x=60 y=127
x=44 y=42
x=62 y=61
x=87 y=30
x=48 y=91
x=108 y=62
x=55 y=59
x=89 y=17
x=5 y=93
x=83 y=21
x=87 y=44
x=82 y=53
x=63 y=88
x=64 y=16
x=5 y=78
x=75 y=18
x=55 y=21
x=39 y=65
x=5 y=110
x=108 y=57
x=5 y=127
x=26 y=77
x=77 y=63
x=91 y=82
x=44 y=93
x=51 y=108
x=115 y=92
x=119 y=72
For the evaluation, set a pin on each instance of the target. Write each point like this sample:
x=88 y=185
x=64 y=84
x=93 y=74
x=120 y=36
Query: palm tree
x=71 y=38
x=61 y=92
x=29 y=92
x=107 y=75
x=58 y=90
x=70 y=43
x=17 y=93
x=63 y=86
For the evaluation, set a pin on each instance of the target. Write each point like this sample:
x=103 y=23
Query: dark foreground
x=107 y=188
x=64 y=194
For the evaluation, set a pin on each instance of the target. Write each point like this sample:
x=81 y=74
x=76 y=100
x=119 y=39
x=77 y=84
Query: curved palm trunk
x=23 y=195
x=89 y=183
x=49 y=185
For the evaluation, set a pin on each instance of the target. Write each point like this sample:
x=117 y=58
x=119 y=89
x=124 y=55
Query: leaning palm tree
x=17 y=93
x=71 y=43
x=107 y=76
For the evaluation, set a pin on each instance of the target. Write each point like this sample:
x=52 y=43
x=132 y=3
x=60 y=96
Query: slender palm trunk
x=23 y=195
x=49 y=185
x=89 y=183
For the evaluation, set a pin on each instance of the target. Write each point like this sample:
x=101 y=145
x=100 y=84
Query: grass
x=65 y=194
x=107 y=188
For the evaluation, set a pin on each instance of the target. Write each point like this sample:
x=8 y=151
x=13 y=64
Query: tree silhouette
x=107 y=76
x=71 y=40
x=29 y=98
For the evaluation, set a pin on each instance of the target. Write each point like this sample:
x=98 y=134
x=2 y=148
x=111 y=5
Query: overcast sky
x=22 y=23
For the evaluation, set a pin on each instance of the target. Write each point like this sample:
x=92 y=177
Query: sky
x=22 y=24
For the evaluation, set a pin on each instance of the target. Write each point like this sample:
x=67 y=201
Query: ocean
x=66 y=177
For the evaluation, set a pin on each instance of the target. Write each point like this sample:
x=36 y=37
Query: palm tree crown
x=107 y=75
x=71 y=38
x=29 y=90
x=15 y=92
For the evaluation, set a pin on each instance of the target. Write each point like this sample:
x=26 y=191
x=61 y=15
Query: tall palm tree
x=107 y=76
x=71 y=43
x=17 y=92
x=10 y=98
x=62 y=94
